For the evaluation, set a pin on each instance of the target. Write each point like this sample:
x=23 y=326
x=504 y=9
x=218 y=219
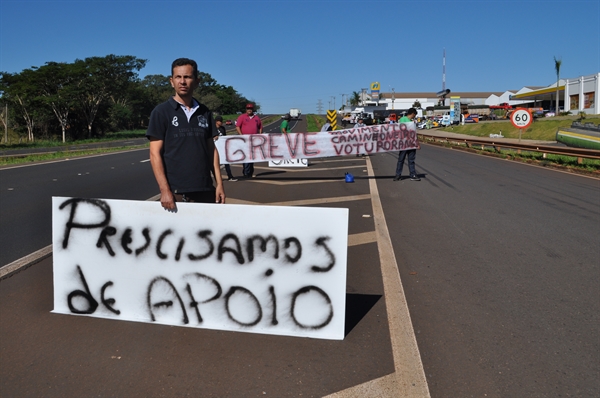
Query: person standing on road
x=222 y=132
x=410 y=153
x=284 y=128
x=359 y=124
x=327 y=126
x=248 y=123
x=182 y=151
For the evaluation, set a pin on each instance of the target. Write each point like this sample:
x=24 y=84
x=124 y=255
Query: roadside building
x=574 y=95
x=581 y=95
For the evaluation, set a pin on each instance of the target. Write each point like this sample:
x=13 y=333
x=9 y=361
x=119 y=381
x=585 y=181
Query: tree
x=416 y=104
x=56 y=81
x=207 y=85
x=22 y=91
x=157 y=87
x=99 y=78
x=557 y=64
x=355 y=98
x=211 y=101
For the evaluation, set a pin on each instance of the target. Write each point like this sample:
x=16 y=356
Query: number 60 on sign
x=521 y=118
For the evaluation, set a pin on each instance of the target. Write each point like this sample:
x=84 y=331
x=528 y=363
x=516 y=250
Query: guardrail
x=578 y=153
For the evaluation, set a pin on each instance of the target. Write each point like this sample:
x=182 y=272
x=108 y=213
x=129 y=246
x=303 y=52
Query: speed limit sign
x=521 y=118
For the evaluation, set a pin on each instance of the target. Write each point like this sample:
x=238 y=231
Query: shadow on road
x=357 y=306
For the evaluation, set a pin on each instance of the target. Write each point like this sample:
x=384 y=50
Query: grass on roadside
x=314 y=122
x=61 y=155
x=543 y=129
x=121 y=135
x=592 y=165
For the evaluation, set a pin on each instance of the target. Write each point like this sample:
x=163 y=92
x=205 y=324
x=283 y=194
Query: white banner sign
x=260 y=269
x=289 y=163
x=354 y=141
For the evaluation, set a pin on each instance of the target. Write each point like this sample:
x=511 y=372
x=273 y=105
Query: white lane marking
x=304 y=169
x=307 y=202
x=26 y=261
x=362 y=238
x=273 y=182
x=37 y=256
x=408 y=380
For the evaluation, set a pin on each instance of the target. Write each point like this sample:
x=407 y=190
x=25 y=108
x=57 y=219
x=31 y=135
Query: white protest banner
x=363 y=140
x=288 y=163
x=260 y=269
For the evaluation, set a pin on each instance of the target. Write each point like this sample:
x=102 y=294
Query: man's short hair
x=411 y=111
x=183 y=62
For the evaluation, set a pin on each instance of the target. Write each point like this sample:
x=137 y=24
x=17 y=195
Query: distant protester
x=327 y=127
x=248 y=123
x=223 y=132
x=410 y=153
x=284 y=128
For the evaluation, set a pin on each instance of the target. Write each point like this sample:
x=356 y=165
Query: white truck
x=295 y=113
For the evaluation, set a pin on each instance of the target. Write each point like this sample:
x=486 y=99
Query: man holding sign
x=182 y=150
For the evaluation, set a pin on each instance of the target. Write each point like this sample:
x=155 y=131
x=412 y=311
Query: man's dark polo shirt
x=187 y=146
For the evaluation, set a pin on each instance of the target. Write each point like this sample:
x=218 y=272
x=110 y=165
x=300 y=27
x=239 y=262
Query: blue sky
x=291 y=54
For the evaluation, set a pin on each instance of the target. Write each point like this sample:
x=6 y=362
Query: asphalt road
x=498 y=262
x=26 y=192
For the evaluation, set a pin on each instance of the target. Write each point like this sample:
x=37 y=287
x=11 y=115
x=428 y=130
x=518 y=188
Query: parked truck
x=295 y=113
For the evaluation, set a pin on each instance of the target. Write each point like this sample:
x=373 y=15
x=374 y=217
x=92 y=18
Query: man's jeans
x=412 y=154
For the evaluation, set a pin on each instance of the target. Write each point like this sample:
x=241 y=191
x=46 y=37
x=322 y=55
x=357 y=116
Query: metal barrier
x=578 y=153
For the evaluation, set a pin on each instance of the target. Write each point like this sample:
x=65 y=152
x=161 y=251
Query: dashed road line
x=362 y=238
x=306 y=202
x=299 y=182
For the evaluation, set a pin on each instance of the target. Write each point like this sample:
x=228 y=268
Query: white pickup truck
x=295 y=113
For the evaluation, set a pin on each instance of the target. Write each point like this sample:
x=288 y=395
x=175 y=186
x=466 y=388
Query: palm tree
x=557 y=64
x=355 y=98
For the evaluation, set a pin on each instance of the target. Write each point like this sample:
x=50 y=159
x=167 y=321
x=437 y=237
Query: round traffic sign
x=521 y=118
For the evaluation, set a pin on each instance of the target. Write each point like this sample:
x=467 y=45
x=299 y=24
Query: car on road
x=228 y=122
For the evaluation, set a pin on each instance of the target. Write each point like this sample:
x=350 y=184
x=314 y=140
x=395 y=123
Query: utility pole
x=444 y=72
x=319 y=107
x=333 y=98
x=363 y=91
x=393 y=98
